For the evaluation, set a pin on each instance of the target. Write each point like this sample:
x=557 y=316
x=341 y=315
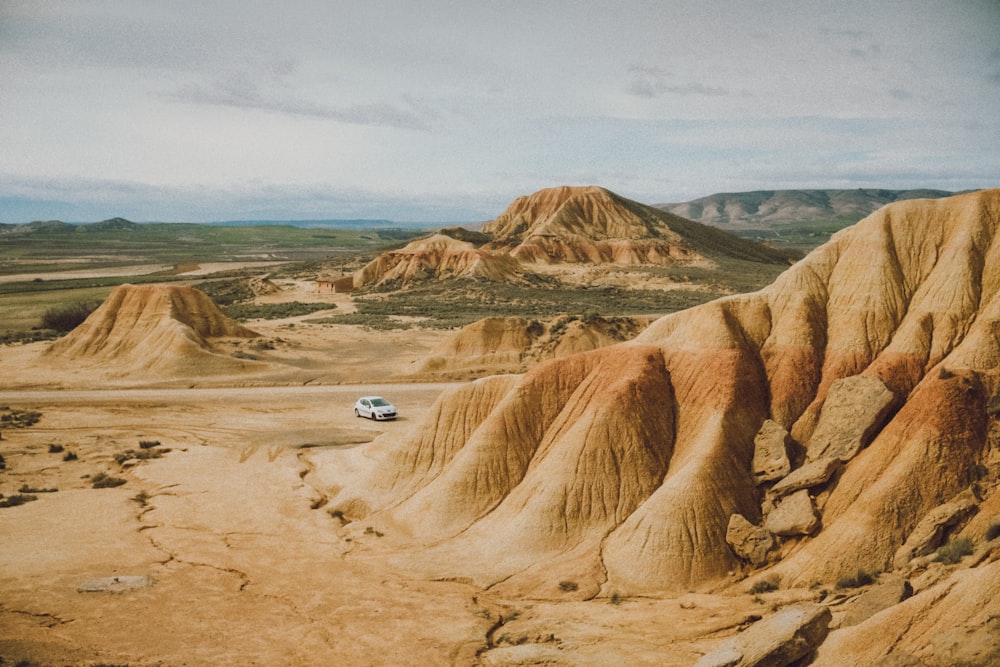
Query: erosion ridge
x=646 y=447
x=564 y=225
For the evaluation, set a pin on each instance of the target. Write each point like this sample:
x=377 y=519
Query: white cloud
x=399 y=101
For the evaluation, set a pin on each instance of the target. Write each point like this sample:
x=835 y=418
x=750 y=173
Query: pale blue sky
x=446 y=111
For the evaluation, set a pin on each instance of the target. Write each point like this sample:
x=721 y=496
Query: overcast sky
x=447 y=110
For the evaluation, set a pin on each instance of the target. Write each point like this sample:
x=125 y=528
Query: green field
x=40 y=249
x=36 y=253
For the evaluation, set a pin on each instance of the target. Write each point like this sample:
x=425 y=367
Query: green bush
x=273 y=311
x=953 y=552
x=66 y=318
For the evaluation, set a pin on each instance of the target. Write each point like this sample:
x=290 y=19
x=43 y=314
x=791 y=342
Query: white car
x=374 y=407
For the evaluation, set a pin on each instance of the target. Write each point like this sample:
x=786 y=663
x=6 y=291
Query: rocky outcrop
x=789 y=635
x=513 y=344
x=810 y=475
x=437 y=258
x=749 y=542
x=932 y=530
x=855 y=409
x=888 y=592
x=770 y=454
x=793 y=515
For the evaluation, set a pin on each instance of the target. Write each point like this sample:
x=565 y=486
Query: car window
x=364 y=402
x=379 y=402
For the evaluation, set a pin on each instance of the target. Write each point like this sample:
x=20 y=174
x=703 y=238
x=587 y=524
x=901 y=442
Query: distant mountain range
x=121 y=224
x=760 y=214
x=766 y=209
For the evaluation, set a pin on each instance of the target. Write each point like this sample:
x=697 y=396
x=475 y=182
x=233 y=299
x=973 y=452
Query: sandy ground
x=221 y=552
x=225 y=556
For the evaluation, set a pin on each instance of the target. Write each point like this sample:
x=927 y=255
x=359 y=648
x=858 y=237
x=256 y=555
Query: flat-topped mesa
x=593 y=225
x=620 y=468
x=163 y=328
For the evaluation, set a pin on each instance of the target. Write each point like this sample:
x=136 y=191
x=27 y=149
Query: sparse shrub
x=67 y=318
x=148 y=444
x=945 y=374
x=568 y=586
x=140 y=454
x=371 y=531
x=104 y=481
x=3 y=463
x=55 y=449
x=615 y=599
x=31 y=490
x=953 y=552
x=17 y=499
x=70 y=456
x=993 y=531
x=763 y=586
x=142 y=498
x=857 y=580
x=20 y=418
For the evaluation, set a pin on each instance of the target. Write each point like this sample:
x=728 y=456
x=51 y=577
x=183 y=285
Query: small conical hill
x=621 y=469
x=166 y=329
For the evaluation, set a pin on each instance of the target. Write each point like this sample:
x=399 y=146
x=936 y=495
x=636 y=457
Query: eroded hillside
x=633 y=469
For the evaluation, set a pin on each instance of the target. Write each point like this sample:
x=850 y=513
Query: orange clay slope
x=620 y=469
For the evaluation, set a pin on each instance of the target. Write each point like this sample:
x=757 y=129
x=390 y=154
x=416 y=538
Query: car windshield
x=379 y=402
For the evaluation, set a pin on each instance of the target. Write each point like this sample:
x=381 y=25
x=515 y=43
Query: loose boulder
x=934 y=527
x=780 y=640
x=748 y=541
x=770 y=456
x=793 y=515
x=854 y=410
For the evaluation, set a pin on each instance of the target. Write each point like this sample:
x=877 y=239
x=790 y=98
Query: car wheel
x=356 y=413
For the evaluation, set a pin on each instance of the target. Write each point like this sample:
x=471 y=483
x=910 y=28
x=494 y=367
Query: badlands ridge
x=633 y=469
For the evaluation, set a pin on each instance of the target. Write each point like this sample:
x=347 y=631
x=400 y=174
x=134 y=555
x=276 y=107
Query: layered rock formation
x=593 y=225
x=511 y=344
x=621 y=469
x=162 y=329
x=436 y=258
x=563 y=225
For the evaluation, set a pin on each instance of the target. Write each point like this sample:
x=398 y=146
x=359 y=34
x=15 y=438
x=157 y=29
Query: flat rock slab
x=854 y=411
x=794 y=515
x=770 y=456
x=749 y=541
x=809 y=475
x=777 y=641
x=890 y=591
x=118 y=584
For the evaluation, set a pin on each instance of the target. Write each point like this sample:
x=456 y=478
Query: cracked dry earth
x=243 y=569
x=220 y=551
